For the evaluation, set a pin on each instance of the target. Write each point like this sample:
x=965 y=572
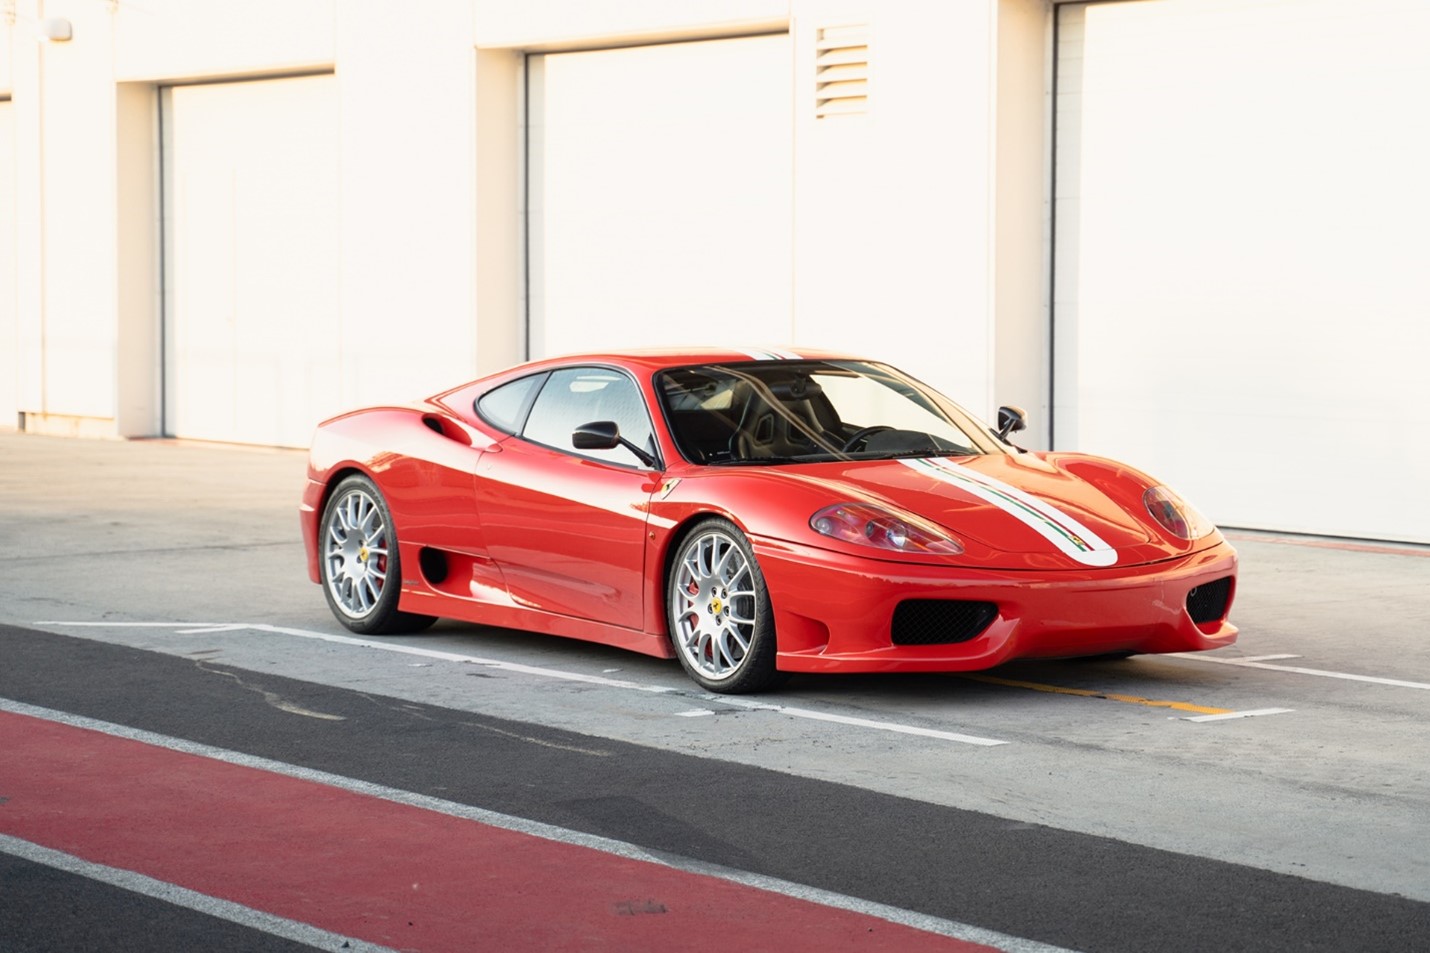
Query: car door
x=567 y=526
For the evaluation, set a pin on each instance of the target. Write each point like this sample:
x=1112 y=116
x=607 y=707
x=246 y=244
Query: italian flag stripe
x=1064 y=532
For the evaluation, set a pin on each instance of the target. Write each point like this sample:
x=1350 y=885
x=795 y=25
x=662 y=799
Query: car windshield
x=794 y=411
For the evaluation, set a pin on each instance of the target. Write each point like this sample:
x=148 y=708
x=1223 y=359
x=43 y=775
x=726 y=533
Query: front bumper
x=833 y=613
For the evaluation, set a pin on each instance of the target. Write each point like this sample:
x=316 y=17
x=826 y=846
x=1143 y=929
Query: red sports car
x=752 y=513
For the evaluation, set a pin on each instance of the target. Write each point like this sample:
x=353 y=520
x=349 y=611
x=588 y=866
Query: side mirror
x=1011 y=420
x=597 y=435
x=605 y=435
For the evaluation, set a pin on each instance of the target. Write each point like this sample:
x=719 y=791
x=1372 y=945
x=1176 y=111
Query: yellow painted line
x=1090 y=693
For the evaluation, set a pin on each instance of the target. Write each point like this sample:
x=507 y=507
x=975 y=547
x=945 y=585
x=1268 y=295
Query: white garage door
x=9 y=317
x=1241 y=248
x=660 y=195
x=251 y=259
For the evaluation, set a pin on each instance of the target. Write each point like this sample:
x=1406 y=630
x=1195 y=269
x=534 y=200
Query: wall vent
x=841 y=71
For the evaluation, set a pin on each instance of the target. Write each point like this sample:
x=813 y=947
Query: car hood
x=1013 y=511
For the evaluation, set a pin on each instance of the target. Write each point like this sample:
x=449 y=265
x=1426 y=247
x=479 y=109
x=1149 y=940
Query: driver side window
x=579 y=395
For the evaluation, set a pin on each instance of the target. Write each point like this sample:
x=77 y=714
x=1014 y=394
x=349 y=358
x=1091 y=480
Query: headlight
x=870 y=525
x=1175 y=514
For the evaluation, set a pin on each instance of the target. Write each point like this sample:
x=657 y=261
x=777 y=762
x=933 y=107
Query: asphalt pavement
x=1272 y=796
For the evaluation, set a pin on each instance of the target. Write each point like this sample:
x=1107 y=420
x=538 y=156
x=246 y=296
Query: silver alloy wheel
x=715 y=608
x=355 y=553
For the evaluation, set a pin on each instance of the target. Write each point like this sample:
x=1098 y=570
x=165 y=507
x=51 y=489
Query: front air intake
x=1208 y=602
x=940 y=621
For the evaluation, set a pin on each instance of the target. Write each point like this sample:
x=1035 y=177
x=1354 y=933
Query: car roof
x=656 y=358
x=643 y=362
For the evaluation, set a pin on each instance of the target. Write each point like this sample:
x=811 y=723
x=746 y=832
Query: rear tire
x=359 y=562
x=718 y=611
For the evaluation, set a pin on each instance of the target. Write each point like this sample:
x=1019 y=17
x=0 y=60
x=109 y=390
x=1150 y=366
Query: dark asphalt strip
x=1069 y=889
x=43 y=910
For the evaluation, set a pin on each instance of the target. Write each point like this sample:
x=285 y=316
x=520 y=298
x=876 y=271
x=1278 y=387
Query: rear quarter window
x=505 y=407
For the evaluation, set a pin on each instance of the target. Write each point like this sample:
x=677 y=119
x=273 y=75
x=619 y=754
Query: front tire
x=718 y=610
x=360 y=565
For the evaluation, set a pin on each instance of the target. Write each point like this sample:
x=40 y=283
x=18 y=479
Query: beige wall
x=177 y=41
x=914 y=238
x=407 y=88
x=894 y=215
x=893 y=211
x=1021 y=227
x=1241 y=256
x=9 y=328
x=65 y=213
x=565 y=24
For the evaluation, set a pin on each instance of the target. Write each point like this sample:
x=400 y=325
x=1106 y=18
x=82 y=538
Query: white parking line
x=851 y=720
x=191 y=899
x=385 y=646
x=1261 y=658
x=201 y=628
x=1255 y=662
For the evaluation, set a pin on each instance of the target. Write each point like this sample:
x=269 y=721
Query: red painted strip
x=384 y=872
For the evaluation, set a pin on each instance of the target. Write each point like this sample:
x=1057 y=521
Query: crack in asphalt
x=272 y=698
x=414 y=711
x=594 y=752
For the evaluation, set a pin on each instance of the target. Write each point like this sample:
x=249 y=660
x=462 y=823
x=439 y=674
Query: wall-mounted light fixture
x=56 y=30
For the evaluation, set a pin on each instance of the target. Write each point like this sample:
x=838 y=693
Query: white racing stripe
x=769 y=354
x=1067 y=534
x=826 y=898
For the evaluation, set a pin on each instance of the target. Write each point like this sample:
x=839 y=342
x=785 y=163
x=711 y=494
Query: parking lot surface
x=1273 y=795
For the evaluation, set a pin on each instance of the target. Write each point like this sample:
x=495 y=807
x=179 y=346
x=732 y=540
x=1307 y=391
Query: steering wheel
x=863 y=433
